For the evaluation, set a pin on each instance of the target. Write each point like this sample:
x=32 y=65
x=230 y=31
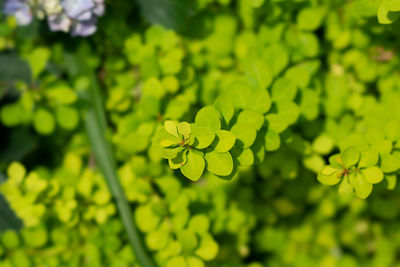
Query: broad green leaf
x=208 y=248
x=323 y=144
x=386 y=16
x=240 y=94
x=179 y=160
x=245 y=157
x=184 y=129
x=168 y=143
x=177 y=261
x=170 y=153
x=260 y=101
x=336 y=161
x=225 y=108
x=208 y=117
x=276 y=56
x=225 y=141
x=329 y=170
x=251 y=117
x=245 y=134
x=188 y=240
x=329 y=176
x=393 y=5
x=219 y=163
x=194 y=166
x=61 y=94
x=373 y=175
x=310 y=19
x=345 y=189
x=276 y=122
x=38 y=60
x=171 y=128
x=258 y=73
x=289 y=111
x=361 y=186
x=350 y=156
x=43 y=121
x=283 y=90
x=272 y=141
x=390 y=163
x=157 y=240
x=67 y=117
x=203 y=137
x=194 y=262
x=369 y=157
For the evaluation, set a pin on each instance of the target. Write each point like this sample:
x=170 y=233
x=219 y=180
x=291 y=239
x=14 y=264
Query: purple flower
x=59 y=22
x=78 y=9
x=84 y=28
x=20 y=10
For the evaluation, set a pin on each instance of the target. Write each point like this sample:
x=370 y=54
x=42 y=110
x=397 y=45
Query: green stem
x=97 y=133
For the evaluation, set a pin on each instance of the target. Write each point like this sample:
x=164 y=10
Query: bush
x=260 y=105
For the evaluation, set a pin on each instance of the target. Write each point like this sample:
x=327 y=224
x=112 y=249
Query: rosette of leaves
x=198 y=146
x=358 y=169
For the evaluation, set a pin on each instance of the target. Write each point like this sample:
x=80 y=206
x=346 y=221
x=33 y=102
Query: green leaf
x=170 y=153
x=369 y=157
x=225 y=108
x=350 y=156
x=184 y=129
x=345 y=188
x=208 y=117
x=245 y=134
x=260 y=101
x=203 y=137
x=225 y=141
x=8 y=219
x=393 y=5
x=336 y=161
x=188 y=240
x=208 y=248
x=289 y=111
x=179 y=160
x=386 y=16
x=194 y=166
x=310 y=19
x=272 y=140
x=245 y=157
x=373 y=175
x=329 y=176
x=276 y=123
x=38 y=60
x=219 y=163
x=390 y=163
x=277 y=57
x=61 y=94
x=171 y=128
x=67 y=117
x=177 y=261
x=43 y=121
x=251 y=117
x=283 y=90
x=361 y=186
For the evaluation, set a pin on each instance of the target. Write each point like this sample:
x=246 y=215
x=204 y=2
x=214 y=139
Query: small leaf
x=390 y=163
x=203 y=137
x=208 y=248
x=331 y=179
x=170 y=153
x=260 y=101
x=245 y=133
x=272 y=141
x=368 y=158
x=361 y=186
x=225 y=108
x=43 y=121
x=219 y=163
x=345 y=189
x=208 y=117
x=329 y=170
x=171 y=128
x=350 y=156
x=336 y=161
x=184 y=129
x=179 y=160
x=168 y=143
x=245 y=157
x=226 y=140
x=276 y=122
x=194 y=166
x=251 y=117
x=372 y=174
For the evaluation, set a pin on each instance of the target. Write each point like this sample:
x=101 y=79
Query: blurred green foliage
x=263 y=103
